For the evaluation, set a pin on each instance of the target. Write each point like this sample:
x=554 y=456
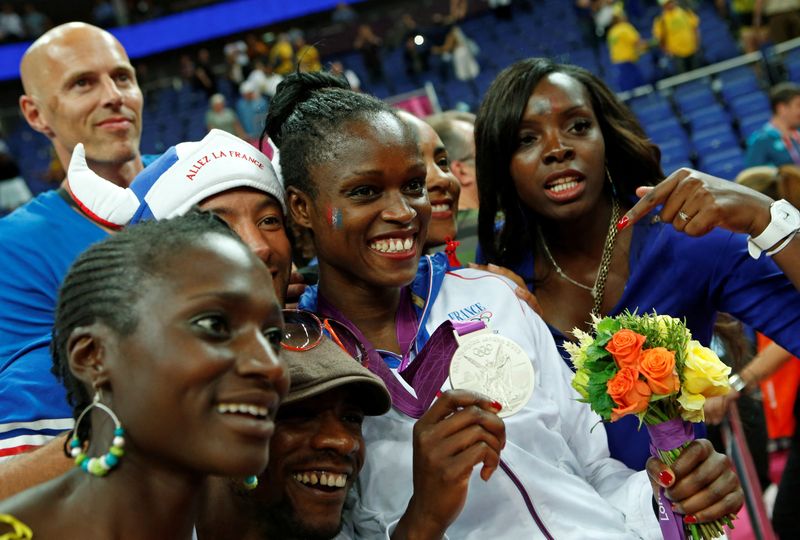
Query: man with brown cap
x=316 y=453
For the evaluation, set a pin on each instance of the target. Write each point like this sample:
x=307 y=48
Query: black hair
x=782 y=93
x=105 y=281
x=306 y=119
x=632 y=159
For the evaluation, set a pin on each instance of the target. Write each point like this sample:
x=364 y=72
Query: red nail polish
x=690 y=519
x=665 y=478
x=622 y=223
x=496 y=405
x=439 y=394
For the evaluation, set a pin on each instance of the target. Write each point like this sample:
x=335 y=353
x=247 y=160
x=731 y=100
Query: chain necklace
x=599 y=287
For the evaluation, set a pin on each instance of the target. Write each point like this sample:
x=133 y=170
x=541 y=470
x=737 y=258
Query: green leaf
x=595 y=352
x=608 y=326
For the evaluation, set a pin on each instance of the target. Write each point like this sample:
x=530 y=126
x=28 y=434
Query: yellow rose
x=704 y=373
x=692 y=405
x=579 y=382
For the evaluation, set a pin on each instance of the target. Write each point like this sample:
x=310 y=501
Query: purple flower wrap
x=669 y=436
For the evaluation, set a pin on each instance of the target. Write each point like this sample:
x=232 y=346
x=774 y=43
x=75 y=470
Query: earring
x=610 y=181
x=98 y=466
x=250 y=483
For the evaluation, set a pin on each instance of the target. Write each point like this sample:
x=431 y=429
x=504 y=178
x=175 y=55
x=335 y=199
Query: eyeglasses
x=303 y=330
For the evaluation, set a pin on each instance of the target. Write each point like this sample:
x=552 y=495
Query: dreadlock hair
x=306 y=120
x=105 y=281
x=632 y=159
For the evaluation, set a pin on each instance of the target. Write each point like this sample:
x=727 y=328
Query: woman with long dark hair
x=561 y=165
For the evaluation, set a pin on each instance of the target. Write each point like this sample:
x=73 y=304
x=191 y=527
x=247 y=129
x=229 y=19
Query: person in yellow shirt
x=281 y=56
x=677 y=31
x=307 y=55
x=624 y=46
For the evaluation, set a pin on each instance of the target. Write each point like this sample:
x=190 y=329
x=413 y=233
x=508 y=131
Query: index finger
x=452 y=400
x=652 y=198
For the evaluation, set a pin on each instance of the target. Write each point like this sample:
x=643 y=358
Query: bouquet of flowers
x=649 y=366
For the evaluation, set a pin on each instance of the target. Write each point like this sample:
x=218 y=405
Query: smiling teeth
x=243 y=408
x=563 y=184
x=322 y=478
x=392 y=245
x=440 y=207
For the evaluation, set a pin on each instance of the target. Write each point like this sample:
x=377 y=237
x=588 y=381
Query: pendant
x=495 y=366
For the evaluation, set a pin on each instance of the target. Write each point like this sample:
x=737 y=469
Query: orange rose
x=658 y=367
x=625 y=346
x=629 y=392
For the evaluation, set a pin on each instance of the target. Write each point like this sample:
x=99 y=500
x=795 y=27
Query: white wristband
x=781 y=245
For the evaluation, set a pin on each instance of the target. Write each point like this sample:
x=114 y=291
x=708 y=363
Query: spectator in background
x=14 y=191
x=457 y=131
x=778 y=142
x=307 y=55
x=677 y=31
x=463 y=51
x=416 y=48
x=624 y=45
x=236 y=61
x=11 y=27
x=783 y=18
x=281 y=57
x=458 y=10
x=741 y=13
x=252 y=109
x=603 y=16
x=264 y=79
x=186 y=70
x=337 y=68
x=36 y=22
x=203 y=78
x=344 y=14
x=218 y=116
x=369 y=45
x=256 y=48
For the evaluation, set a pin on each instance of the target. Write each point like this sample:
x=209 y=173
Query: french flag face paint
x=335 y=219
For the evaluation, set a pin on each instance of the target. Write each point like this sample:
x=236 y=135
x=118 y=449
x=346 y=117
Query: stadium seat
x=710 y=116
x=710 y=140
x=691 y=100
x=749 y=104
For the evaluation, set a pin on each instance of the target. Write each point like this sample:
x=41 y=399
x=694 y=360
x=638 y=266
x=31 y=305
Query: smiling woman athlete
x=355 y=176
x=183 y=357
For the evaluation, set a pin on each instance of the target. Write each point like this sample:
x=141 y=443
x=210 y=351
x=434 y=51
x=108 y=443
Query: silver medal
x=495 y=366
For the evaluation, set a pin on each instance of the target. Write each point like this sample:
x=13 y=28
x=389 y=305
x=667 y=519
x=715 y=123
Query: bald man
x=79 y=87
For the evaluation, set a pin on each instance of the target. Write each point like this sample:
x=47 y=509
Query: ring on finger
x=684 y=216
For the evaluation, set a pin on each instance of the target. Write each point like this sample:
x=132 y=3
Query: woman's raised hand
x=695 y=203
